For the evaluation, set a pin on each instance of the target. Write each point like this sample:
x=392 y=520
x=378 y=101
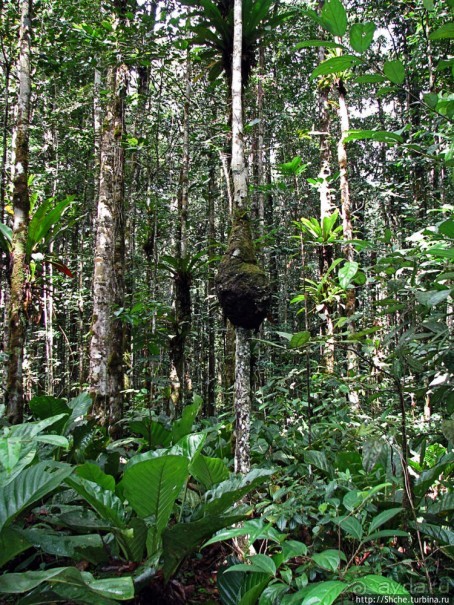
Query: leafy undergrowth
x=152 y=518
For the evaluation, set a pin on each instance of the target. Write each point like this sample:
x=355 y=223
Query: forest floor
x=195 y=583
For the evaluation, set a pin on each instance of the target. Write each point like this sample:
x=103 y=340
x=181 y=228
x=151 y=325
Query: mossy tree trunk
x=241 y=285
x=349 y=251
x=17 y=317
x=107 y=342
x=326 y=209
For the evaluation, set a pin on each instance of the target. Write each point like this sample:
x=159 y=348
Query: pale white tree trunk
x=242 y=402
x=239 y=173
x=106 y=346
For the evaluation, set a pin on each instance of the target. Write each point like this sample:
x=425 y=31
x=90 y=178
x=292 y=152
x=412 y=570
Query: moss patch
x=241 y=285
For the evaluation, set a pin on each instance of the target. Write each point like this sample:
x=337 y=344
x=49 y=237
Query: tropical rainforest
x=226 y=294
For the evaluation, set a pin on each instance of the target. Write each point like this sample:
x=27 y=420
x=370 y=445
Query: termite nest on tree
x=242 y=286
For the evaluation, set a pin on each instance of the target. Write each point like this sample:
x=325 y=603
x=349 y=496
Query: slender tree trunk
x=17 y=319
x=326 y=209
x=179 y=380
x=107 y=342
x=48 y=303
x=4 y=286
x=242 y=401
x=7 y=71
x=260 y=144
x=210 y=402
x=348 y=249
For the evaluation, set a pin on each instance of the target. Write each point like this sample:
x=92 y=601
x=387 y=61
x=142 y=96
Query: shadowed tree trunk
x=210 y=399
x=17 y=318
x=107 y=341
x=179 y=380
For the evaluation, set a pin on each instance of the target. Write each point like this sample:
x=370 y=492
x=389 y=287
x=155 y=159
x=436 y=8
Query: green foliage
x=44 y=227
x=215 y=32
x=147 y=511
x=361 y=36
x=394 y=71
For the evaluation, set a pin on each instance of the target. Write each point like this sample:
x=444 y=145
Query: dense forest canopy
x=226 y=275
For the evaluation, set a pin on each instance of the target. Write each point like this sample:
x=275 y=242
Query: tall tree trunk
x=17 y=319
x=210 y=402
x=107 y=342
x=348 y=249
x=242 y=400
x=179 y=380
x=326 y=209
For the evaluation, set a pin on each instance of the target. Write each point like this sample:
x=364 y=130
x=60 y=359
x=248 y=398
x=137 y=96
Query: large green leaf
x=121 y=589
x=429 y=477
x=79 y=407
x=373 y=584
x=445 y=31
x=45 y=406
x=383 y=517
x=335 y=65
x=319 y=460
x=328 y=559
x=188 y=446
x=382 y=136
x=299 y=339
x=432 y=298
x=31 y=429
x=10 y=453
x=272 y=595
x=12 y=543
x=151 y=487
x=334 y=17
x=27 y=453
x=93 y=473
x=441 y=534
x=361 y=36
x=44 y=223
x=252 y=587
x=394 y=71
x=324 y=593
x=223 y=496
x=351 y=526
x=256 y=564
x=88 y=547
x=31 y=485
x=386 y=533
x=108 y=506
x=208 y=471
x=346 y=273
x=440 y=252
x=442 y=505
x=133 y=539
x=6 y=236
x=292 y=549
x=182 y=539
x=183 y=425
x=372 y=450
